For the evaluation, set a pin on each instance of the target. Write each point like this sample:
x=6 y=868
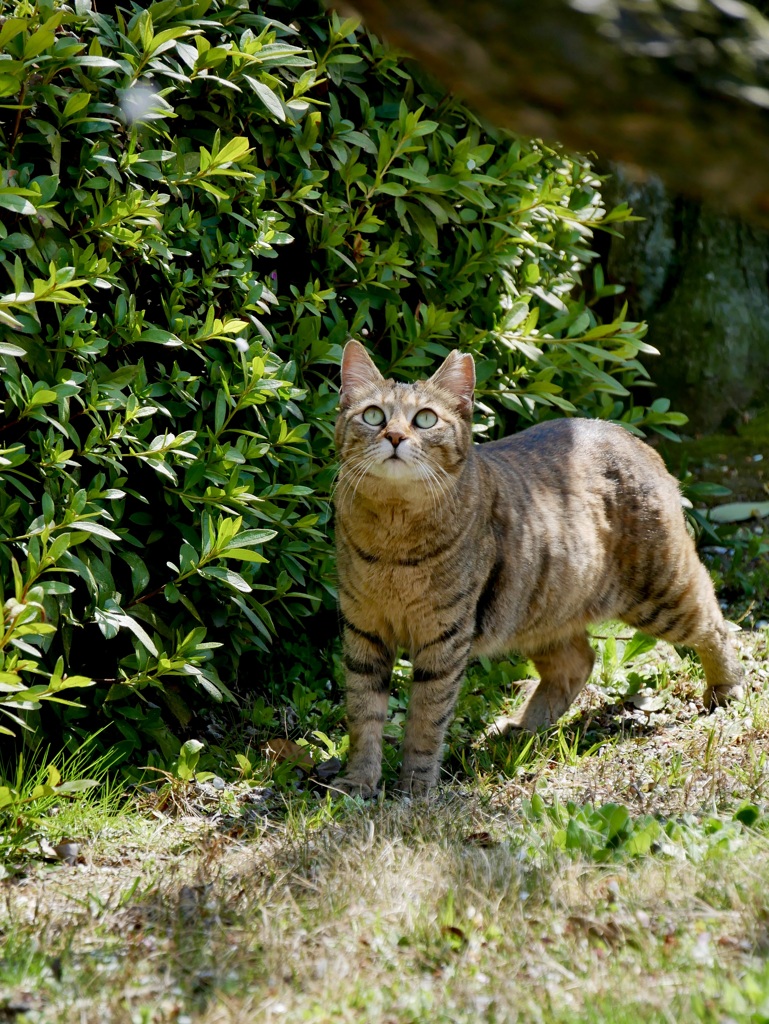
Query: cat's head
x=416 y=434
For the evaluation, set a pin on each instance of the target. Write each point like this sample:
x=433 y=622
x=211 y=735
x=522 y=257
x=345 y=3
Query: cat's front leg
x=439 y=667
x=368 y=664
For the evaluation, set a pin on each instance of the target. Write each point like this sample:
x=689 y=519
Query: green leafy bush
x=200 y=202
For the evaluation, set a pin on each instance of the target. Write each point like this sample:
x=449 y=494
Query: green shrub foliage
x=200 y=202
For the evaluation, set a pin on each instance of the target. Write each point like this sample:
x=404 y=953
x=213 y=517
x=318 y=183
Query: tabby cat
x=453 y=550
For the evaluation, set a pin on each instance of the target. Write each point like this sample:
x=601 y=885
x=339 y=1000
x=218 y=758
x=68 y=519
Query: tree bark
x=700 y=280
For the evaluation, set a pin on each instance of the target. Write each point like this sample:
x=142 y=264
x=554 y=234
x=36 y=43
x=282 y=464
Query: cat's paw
x=353 y=785
x=541 y=709
x=501 y=727
x=414 y=787
x=717 y=696
x=534 y=715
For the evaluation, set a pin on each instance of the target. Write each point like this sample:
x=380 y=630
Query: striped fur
x=449 y=550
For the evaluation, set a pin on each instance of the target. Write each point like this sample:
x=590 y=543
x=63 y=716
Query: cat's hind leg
x=563 y=670
x=725 y=679
x=688 y=614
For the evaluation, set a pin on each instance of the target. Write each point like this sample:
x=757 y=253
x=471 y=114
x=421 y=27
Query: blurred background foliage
x=200 y=202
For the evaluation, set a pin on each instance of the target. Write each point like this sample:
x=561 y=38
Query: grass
x=615 y=870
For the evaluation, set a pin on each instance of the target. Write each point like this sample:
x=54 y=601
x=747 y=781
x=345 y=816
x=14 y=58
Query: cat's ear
x=358 y=371
x=457 y=375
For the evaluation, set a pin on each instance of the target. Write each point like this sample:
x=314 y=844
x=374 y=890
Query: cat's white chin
x=395 y=469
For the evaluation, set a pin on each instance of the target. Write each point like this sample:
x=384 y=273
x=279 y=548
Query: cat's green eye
x=425 y=418
x=373 y=416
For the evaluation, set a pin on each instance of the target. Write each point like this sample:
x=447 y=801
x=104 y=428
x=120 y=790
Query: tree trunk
x=700 y=280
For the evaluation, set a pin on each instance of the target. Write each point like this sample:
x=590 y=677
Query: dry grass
x=466 y=908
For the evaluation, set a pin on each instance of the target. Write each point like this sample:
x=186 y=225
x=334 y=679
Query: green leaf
x=615 y=818
x=390 y=189
x=158 y=336
x=10 y=321
x=268 y=97
x=7 y=349
x=738 y=511
x=91 y=61
x=88 y=526
x=55 y=587
x=43 y=38
x=220 y=412
x=11 y=28
x=640 y=644
x=214 y=190
x=425 y=128
x=226 y=576
x=235 y=150
x=747 y=813
x=704 y=489
x=11 y=200
x=640 y=842
x=167 y=35
x=42 y=397
x=139 y=632
x=77 y=102
x=244 y=554
x=426 y=225
x=140 y=575
x=248 y=538
x=10 y=85
x=77 y=786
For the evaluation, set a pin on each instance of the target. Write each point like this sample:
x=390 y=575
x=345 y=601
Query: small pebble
x=67 y=852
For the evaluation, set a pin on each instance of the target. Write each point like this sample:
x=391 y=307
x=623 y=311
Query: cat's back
x=579 y=456
x=565 y=438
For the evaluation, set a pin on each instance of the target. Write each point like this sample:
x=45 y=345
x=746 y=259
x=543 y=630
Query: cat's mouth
x=394 y=466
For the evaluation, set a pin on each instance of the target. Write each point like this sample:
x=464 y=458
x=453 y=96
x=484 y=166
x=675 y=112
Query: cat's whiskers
x=363 y=473
x=350 y=465
x=335 y=479
x=349 y=483
x=424 y=472
x=346 y=469
x=435 y=487
x=450 y=485
x=352 y=472
x=444 y=489
x=358 y=473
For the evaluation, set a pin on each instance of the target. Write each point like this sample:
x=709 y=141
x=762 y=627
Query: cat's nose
x=394 y=436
